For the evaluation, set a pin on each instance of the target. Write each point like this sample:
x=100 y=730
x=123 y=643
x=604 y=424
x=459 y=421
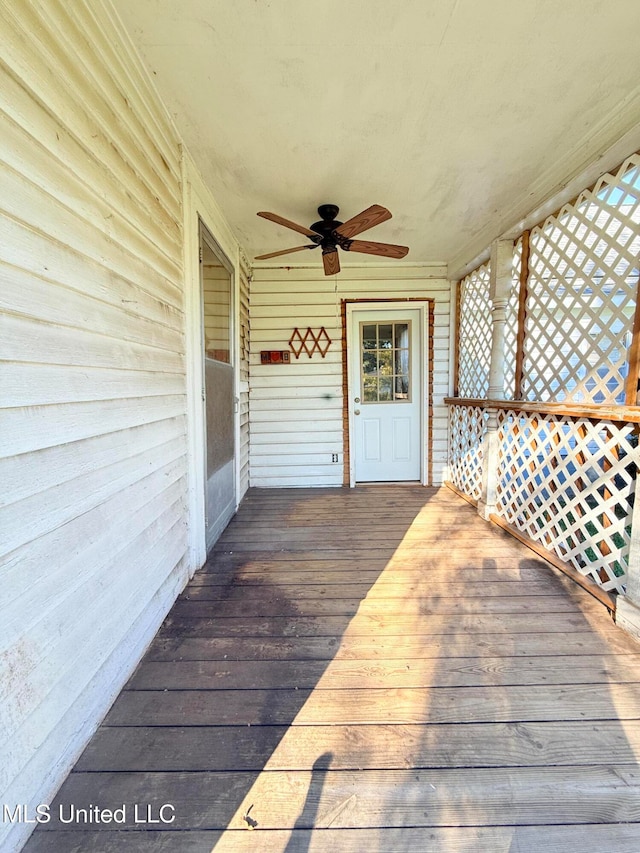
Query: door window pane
x=401 y=365
x=370 y=389
x=385 y=336
x=401 y=336
x=402 y=387
x=384 y=360
x=369 y=363
x=216 y=293
x=369 y=337
x=384 y=363
x=384 y=389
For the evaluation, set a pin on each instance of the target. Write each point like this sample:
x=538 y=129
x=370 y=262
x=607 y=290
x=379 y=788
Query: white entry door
x=386 y=393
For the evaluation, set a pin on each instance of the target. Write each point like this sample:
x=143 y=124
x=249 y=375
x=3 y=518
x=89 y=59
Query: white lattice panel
x=467 y=426
x=583 y=276
x=474 y=343
x=568 y=484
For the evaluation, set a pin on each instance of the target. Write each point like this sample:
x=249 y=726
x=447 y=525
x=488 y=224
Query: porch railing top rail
x=627 y=414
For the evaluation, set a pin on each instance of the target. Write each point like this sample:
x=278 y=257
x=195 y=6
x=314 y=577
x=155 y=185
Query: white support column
x=500 y=288
x=628 y=605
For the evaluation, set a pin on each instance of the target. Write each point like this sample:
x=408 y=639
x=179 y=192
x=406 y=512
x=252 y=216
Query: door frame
x=199 y=206
x=205 y=236
x=352 y=351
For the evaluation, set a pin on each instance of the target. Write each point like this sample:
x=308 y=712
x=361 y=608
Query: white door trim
x=385 y=307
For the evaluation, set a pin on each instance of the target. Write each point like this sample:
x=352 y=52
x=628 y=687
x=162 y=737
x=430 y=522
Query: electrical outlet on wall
x=334 y=457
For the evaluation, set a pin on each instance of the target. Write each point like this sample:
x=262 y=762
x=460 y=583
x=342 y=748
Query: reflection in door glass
x=384 y=351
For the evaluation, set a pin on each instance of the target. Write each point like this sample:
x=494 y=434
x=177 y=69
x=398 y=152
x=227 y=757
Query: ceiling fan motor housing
x=326 y=228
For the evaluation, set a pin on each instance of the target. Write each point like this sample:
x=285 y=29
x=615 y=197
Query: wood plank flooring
x=372 y=669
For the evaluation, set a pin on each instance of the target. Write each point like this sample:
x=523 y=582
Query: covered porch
x=376 y=667
x=373 y=669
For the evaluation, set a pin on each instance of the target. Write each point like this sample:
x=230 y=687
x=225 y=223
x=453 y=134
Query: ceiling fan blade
x=387 y=250
x=284 y=252
x=280 y=220
x=373 y=215
x=331 y=262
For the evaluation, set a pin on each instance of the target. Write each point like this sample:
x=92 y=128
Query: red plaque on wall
x=275 y=356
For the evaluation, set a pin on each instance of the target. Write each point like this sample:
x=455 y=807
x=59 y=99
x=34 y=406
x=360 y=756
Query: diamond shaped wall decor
x=310 y=342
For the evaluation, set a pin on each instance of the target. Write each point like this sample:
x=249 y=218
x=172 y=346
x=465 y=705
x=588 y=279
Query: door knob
x=356 y=400
x=357 y=412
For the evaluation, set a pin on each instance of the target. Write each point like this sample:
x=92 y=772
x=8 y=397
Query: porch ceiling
x=458 y=116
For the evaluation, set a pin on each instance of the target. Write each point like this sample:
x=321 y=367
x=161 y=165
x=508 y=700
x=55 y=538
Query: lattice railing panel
x=583 y=276
x=467 y=426
x=569 y=484
x=474 y=343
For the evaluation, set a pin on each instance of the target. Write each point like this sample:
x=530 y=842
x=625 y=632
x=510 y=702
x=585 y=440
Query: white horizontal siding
x=296 y=410
x=26 y=250
x=93 y=459
x=49 y=674
x=55 y=383
x=32 y=428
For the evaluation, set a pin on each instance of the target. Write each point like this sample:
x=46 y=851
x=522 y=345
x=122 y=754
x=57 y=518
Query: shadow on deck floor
x=377 y=670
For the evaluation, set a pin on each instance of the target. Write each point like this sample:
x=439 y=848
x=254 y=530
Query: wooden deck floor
x=374 y=670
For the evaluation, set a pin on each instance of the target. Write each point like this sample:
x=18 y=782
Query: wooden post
x=628 y=605
x=632 y=392
x=456 y=340
x=522 y=314
x=500 y=289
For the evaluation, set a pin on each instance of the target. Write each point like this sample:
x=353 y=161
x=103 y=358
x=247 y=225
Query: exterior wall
x=96 y=461
x=296 y=410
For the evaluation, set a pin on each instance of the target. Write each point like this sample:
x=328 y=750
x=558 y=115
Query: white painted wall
x=96 y=458
x=296 y=409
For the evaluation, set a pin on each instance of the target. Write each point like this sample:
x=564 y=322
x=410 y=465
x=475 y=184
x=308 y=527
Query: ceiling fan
x=330 y=234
